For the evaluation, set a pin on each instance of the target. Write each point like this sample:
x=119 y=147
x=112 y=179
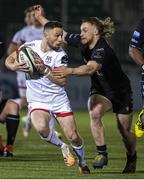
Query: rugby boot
x=67 y=155
x=8 y=151
x=130 y=164
x=100 y=161
x=83 y=169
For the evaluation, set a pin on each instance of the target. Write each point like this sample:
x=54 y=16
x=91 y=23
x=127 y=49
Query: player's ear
x=96 y=32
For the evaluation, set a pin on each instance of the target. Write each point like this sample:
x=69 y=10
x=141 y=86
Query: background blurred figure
x=1 y=47
x=32 y=31
x=9 y=114
x=136 y=52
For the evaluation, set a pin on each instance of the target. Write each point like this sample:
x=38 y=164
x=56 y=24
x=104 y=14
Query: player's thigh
x=99 y=103
x=12 y=107
x=40 y=119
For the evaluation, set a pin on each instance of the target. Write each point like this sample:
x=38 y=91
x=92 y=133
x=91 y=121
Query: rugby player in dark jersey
x=110 y=87
x=9 y=114
x=136 y=52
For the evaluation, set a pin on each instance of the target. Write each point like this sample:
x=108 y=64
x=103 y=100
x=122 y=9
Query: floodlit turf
x=36 y=159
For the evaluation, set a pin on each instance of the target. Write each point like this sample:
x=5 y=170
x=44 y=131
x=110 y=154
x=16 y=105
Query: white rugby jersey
x=28 y=34
x=43 y=89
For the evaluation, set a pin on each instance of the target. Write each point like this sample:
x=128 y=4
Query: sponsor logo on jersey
x=30 y=44
x=97 y=55
x=100 y=49
x=48 y=59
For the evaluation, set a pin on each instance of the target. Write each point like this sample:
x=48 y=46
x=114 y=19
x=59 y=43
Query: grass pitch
x=36 y=159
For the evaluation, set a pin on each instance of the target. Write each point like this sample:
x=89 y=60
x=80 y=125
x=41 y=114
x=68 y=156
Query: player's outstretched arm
x=39 y=15
x=136 y=55
x=61 y=81
x=90 y=68
x=12 y=63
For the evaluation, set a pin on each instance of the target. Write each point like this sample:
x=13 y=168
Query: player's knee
x=47 y=135
x=74 y=137
x=44 y=132
x=124 y=130
x=95 y=115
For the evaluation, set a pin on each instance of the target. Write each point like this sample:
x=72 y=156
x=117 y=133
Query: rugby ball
x=28 y=56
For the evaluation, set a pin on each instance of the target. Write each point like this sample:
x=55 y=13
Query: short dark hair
x=52 y=25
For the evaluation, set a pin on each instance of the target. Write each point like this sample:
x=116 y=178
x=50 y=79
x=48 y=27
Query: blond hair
x=105 y=27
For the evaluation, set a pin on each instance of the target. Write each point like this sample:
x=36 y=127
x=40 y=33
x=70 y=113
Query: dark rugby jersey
x=110 y=77
x=137 y=40
x=1 y=48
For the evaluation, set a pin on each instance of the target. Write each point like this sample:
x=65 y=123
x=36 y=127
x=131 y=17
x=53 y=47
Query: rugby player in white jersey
x=47 y=95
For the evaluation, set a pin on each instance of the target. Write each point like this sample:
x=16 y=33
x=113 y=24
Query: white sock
x=53 y=139
x=52 y=122
x=79 y=151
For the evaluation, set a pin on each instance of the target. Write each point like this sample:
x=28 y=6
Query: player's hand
x=38 y=11
x=40 y=65
x=60 y=72
x=20 y=67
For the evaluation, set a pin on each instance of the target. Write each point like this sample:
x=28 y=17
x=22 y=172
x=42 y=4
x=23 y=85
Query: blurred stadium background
x=124 y=13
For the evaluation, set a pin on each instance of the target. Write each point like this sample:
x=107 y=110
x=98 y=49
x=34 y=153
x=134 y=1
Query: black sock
x=131 y=158
x=102 y=150
x=12 y=122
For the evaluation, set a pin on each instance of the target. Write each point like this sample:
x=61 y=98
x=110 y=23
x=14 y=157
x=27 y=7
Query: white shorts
x=21 y=81
x=59 y=111
x=17 y=101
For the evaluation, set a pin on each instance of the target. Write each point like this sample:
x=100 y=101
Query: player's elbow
x=91 y=69
x=131 y=52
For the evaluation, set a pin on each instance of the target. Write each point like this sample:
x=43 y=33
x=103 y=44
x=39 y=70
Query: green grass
x=36 y=159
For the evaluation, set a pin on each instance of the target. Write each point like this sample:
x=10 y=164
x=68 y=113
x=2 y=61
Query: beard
x=54 y=47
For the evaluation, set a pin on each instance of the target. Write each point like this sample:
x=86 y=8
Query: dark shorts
x=121 y=100
x=2 y=105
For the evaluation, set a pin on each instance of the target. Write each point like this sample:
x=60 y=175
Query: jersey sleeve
x=17 y=38
x=73 y=39
x=98 y=55
x=61 y=60
x=137 y=40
